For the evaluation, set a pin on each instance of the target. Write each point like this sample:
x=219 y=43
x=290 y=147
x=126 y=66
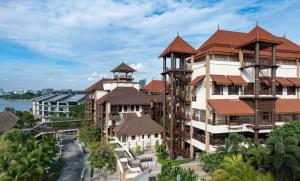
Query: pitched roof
x=178 y=45
x=224 y=42
x=155 y=86
x=196 y=80
x=284 y=82
x=295 y=81
x=98 y=85
x=123 y=68
x=125 y=96
x=7 y=121
x=287 y=106
x=135 y=125
x=228 y=107
x=259 y=34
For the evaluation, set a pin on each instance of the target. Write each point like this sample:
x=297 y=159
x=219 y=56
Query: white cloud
x=95 y=76
x=138 y=66
x=99 y=34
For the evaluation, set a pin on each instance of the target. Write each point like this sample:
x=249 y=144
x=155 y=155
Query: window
x=125 y=108
x=137 y=108
x=217 y=89
x=132 y=108
x=119 y=108
x=291 y=90
x=279 y=90
x=233 y=90
x=142 y=136
x=132 y=137
x=156 y=135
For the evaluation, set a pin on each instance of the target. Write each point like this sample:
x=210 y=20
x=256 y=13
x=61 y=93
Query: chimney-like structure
x=263 y=99
x=174 y=110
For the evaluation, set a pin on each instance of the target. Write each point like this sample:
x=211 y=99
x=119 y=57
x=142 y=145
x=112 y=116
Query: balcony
x=229 y=122
x=199 y=137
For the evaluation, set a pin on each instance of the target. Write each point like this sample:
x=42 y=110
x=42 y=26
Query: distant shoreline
x=23 y=100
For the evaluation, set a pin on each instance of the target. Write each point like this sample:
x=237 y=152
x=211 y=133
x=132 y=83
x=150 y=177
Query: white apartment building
x=55 y=105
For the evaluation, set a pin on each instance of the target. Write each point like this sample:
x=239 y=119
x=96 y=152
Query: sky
x=72 y=44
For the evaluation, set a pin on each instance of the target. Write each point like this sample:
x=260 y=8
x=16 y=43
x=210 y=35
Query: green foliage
x=170 y=172
x=77 y=112
x=284 y=152
x=23 y=157
x=233 y=168
x=138 y=150
x=160 y=151
x=210 y=162
x=27 y=95
x=89 y=133
x=102 y=155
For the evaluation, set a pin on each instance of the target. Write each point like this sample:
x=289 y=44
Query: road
x=73 y=161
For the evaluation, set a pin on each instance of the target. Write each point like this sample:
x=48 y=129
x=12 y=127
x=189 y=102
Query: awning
x=284 y=82
x=294 y=80
x=287 y=106
x=228 y=107
x=221 y=79
x=237 y=80
x=197 y=80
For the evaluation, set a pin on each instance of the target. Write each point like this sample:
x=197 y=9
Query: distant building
x=55 y=105
x=7 y=121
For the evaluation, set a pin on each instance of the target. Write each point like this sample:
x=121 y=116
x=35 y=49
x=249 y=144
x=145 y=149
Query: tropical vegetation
x=102 y=155
x=25 y=96
x=24 y=157
x=277 y=159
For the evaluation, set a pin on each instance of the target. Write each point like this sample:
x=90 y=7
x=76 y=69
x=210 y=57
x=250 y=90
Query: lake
x=21 y=105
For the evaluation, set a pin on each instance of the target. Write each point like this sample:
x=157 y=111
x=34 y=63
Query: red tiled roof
x=224 y=42
x=259 y=34
x=155 y=86
x=294 y=80
x=266 y=80
x=237 y=80
x=228 y=107
x=134 y=125
x=220 y=79
x=125 y=96
x=283 y=81
x=123 y=68
x=98 y=85
x=178 y=45
x=287 y=106
x=197 y=80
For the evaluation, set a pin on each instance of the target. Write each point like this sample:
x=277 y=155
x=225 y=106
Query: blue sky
x=72 y=44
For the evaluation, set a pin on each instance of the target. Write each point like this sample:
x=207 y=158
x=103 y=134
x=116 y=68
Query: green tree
x=102 y=155
x=284 y=156
x=89 y=133
x=77 y=111
x=233 y=168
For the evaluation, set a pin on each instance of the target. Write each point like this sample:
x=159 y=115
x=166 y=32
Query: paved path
x=73 y=161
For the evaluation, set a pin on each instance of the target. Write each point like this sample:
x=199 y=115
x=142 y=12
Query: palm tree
x=234 y=169
x=256 y=155
x=284 y=157
x=233 y=145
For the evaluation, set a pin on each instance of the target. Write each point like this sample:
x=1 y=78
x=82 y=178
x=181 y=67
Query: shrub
x=138 y=150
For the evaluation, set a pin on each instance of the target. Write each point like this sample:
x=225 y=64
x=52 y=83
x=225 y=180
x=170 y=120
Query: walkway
x=73 y=161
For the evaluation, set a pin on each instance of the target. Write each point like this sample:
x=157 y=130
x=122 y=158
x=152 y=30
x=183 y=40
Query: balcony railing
x=199 y=137
x=229 y=122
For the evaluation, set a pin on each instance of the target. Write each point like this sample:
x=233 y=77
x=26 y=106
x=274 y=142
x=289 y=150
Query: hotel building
x=235 y=82
x=110 y=101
